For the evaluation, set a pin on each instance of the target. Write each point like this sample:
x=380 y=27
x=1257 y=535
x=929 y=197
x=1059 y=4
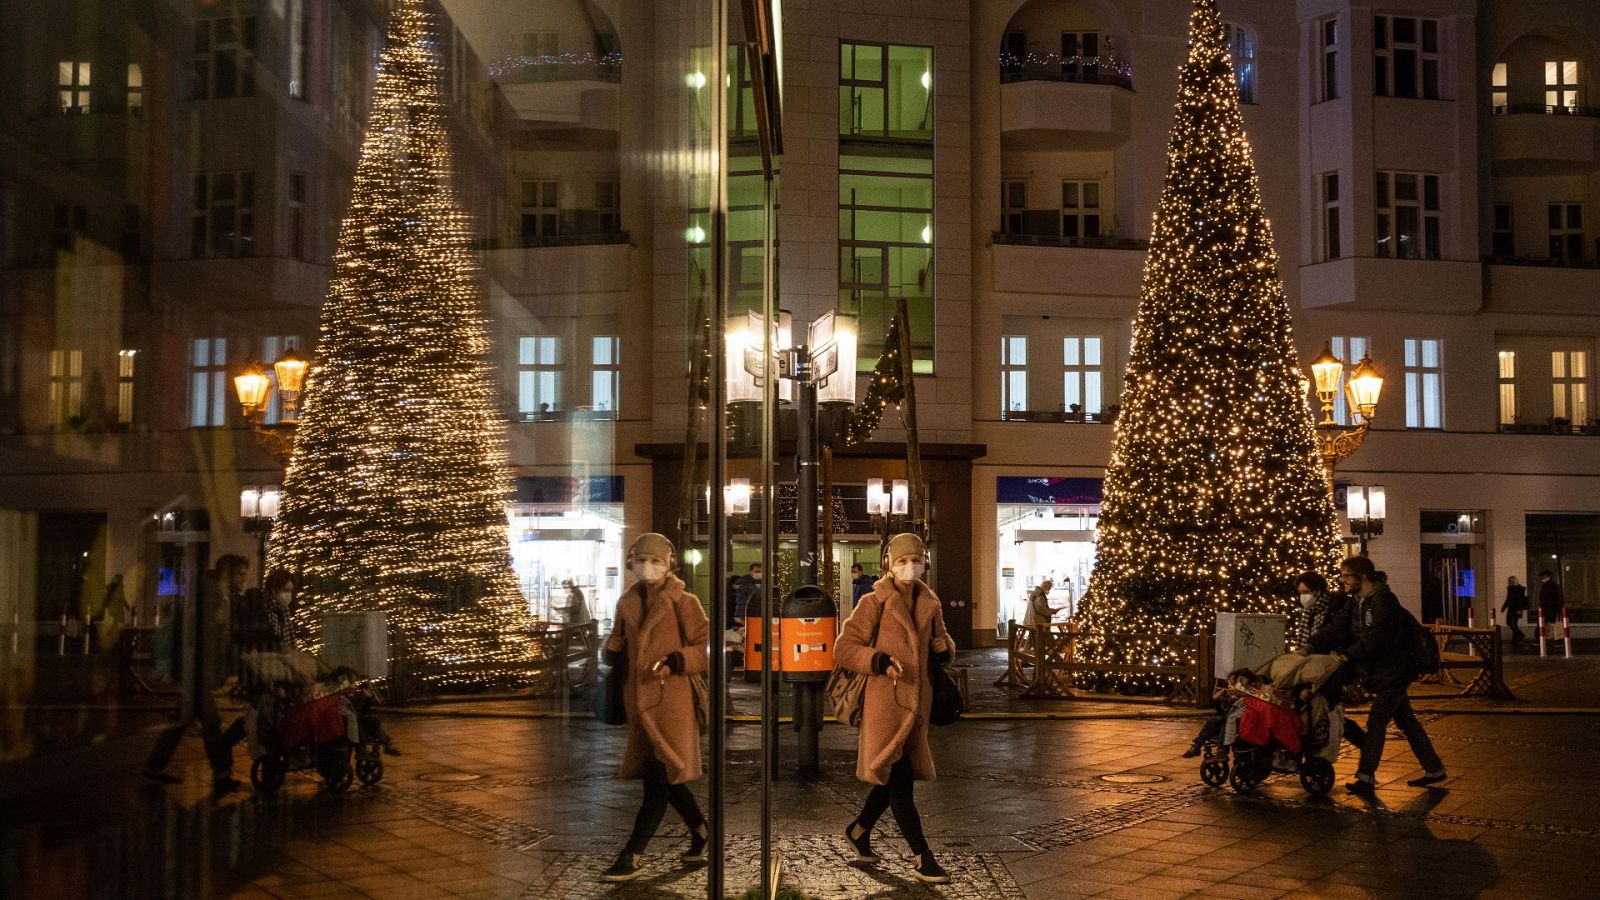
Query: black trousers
x=1513 y=619
x=896 y=795
x=658 y=794
x=218 y=741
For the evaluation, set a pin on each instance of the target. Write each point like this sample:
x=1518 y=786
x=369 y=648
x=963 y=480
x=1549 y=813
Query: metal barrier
x=1480 y=651
x=1041 y=661
x=562 y=657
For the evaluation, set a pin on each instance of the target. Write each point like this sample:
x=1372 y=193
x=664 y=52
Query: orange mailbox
x=810 y=624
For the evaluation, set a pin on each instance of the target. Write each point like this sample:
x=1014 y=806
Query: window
x=1013 y=206
x=1080 y=211
x=297 y=215
x=1405 y=57
x=224 y=58
x=1013 y=373
x=1408 y=215
x=1502 y=238
x=541 y=214
x=223 y=218
x=1499 y=93
x=886 y=233
x=1560 y=84
x=125 y=369
x=886 y=91
x=607 y=207
x=541 y=43
x=135 y=88
x=606 y=373
x=272 y=347
x=1080 y=360
x=72 y=85
x=1350 y=350
x=1330 y=216
x=1330 y=59
x=208 y=378
x=1080 y=54
x=299 y=36
x=1242 y=47
x=538 y=376
x=1013 y=53
x=1508 y=386
x=70 y=222
x=1424 y=363
x=1569 y=385
x=66 y=387
x=1566 y=231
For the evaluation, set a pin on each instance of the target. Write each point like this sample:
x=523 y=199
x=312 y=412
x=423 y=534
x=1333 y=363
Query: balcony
x=1040 y=237
x=1043 y=106
x=1044 y=264
x=562 y=92
x=1372 y=284
x=1529 y=139
x=1548 y=286
x=1071 y=417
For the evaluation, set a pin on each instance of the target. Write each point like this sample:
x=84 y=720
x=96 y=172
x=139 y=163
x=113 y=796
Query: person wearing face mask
x=660 y=634
x=891 y=636
x=1319 y=608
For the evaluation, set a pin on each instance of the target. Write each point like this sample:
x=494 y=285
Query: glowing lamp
x=1327 y=370
x=249 y=501
x=1363 y=387
x=736 y=497
x=877 y=500
x=271 y=495
x=900 y=497
x=252 y=385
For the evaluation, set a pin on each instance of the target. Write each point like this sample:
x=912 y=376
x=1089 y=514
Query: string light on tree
x=395 y=497
x=1214 y=496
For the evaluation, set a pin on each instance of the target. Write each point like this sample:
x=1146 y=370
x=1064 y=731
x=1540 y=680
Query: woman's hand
x=941 y=644
x=895 y=670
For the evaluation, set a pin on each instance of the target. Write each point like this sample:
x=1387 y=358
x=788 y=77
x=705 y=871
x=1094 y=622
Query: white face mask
x=1307 y=599
x=649 y=572
x=284 y=597
x=910 y=571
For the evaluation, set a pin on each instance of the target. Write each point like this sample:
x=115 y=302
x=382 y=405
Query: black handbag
x=609 y=706
x=947 y=702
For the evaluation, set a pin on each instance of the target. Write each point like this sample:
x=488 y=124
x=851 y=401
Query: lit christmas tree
x=1215 y=498
x=395 y=497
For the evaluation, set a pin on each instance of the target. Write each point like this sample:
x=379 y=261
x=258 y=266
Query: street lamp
x=1367 y=507
x=258 y=506
x=255 y=392
x=1334 y=441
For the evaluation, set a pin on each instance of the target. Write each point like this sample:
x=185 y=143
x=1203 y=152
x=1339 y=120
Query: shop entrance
x=1452 y=566
x=1039 y=542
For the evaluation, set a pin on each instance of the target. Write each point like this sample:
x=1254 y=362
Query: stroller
x=1280 y=722
x=298 y=722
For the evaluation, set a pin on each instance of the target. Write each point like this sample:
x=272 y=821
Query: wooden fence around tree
x=562 y=657
x=1042 y=662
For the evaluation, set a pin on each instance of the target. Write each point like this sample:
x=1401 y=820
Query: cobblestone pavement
x=523 y=807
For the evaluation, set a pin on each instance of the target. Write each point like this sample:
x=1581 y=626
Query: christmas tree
x=395 y=497
x=1215 y=498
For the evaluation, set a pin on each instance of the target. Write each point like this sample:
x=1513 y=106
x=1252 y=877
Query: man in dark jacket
x=860 y=583
x=1384 y=650
x=1550 y=599
x=1516 y=604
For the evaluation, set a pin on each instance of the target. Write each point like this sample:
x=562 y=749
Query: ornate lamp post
x=1335 y=441
x=255 y=391
x=1368 y=507
x=258 y=506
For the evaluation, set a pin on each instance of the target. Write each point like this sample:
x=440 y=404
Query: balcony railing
x=1104 y=417
x=1543 y=262
x=1103 y=242
x=1076 y=69
x=1536 y=109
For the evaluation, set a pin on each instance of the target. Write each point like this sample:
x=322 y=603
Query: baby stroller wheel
x=1214 y=770
x=333 y=764
x=1316 y=776
x=267 y=773
x=369 y=769
x=1245 y=779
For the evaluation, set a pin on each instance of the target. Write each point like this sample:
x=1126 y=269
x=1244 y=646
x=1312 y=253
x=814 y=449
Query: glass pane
x=1411 y=352
x=1069 y=351
x=1558 y=364
x=1091 y=392
x=1430 y=354
x=1091 y=351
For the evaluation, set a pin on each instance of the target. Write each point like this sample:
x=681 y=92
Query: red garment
x=321 y=720
x=1263 y=721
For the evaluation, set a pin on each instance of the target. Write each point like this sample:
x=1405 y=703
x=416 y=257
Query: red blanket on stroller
x=321 y=720
x=1263 y=721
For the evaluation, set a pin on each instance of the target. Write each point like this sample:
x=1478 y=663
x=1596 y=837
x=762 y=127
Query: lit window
x=1424 y=369
x=125 y=369
x=886 y=238
x=1350 y=350
x=1405 y=57
x=1569 y=385
x=1330 y=216
x=1013 y=373
x=1508 y=386
x=135 y=88
x=208 y=374
x=886 y=90
x=1080 y=361
x=1242 y=47
x=1566 y=231
x=538 y=376
x=72 y=86
x=66 y=388
x=1499 y=92
x=1560 y=84
x=223 y=216
x=1408 y=215
x=299 y=36
x=606 y=373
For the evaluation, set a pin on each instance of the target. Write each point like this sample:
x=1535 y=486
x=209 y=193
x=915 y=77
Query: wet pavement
x=485 y=803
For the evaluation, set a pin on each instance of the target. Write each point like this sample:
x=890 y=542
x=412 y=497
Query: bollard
x=88 y=622
x=1566 y=632
x=61 y=639
x=1542 y=650
x=1471 y=650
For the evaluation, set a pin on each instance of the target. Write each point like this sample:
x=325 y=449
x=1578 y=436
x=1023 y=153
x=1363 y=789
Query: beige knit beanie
x=651 y=543
x=904 y=543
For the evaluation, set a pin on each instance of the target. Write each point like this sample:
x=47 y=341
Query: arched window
x=1242 y=44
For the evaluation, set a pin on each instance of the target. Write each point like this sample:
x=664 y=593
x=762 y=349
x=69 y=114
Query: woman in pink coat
x=893 y=750
x=660 y=635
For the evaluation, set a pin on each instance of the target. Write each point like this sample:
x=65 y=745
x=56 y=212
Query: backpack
x=1425 y=652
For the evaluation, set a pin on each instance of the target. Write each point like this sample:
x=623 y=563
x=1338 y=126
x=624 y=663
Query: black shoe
x=698 y=838
x=1428 y=778
x=1360 y=786
x=160 y=777
x=861 y=843
x=929 y=870
x=1192 y=752
x=225 y=785
x=626 y=868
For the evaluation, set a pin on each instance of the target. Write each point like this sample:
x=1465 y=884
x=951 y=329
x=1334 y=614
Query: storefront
x=1046 y=530
x=568 y=528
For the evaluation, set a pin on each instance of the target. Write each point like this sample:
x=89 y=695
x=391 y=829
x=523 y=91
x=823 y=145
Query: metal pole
x=807 y=695
x=769 y=530
x=718 y=209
